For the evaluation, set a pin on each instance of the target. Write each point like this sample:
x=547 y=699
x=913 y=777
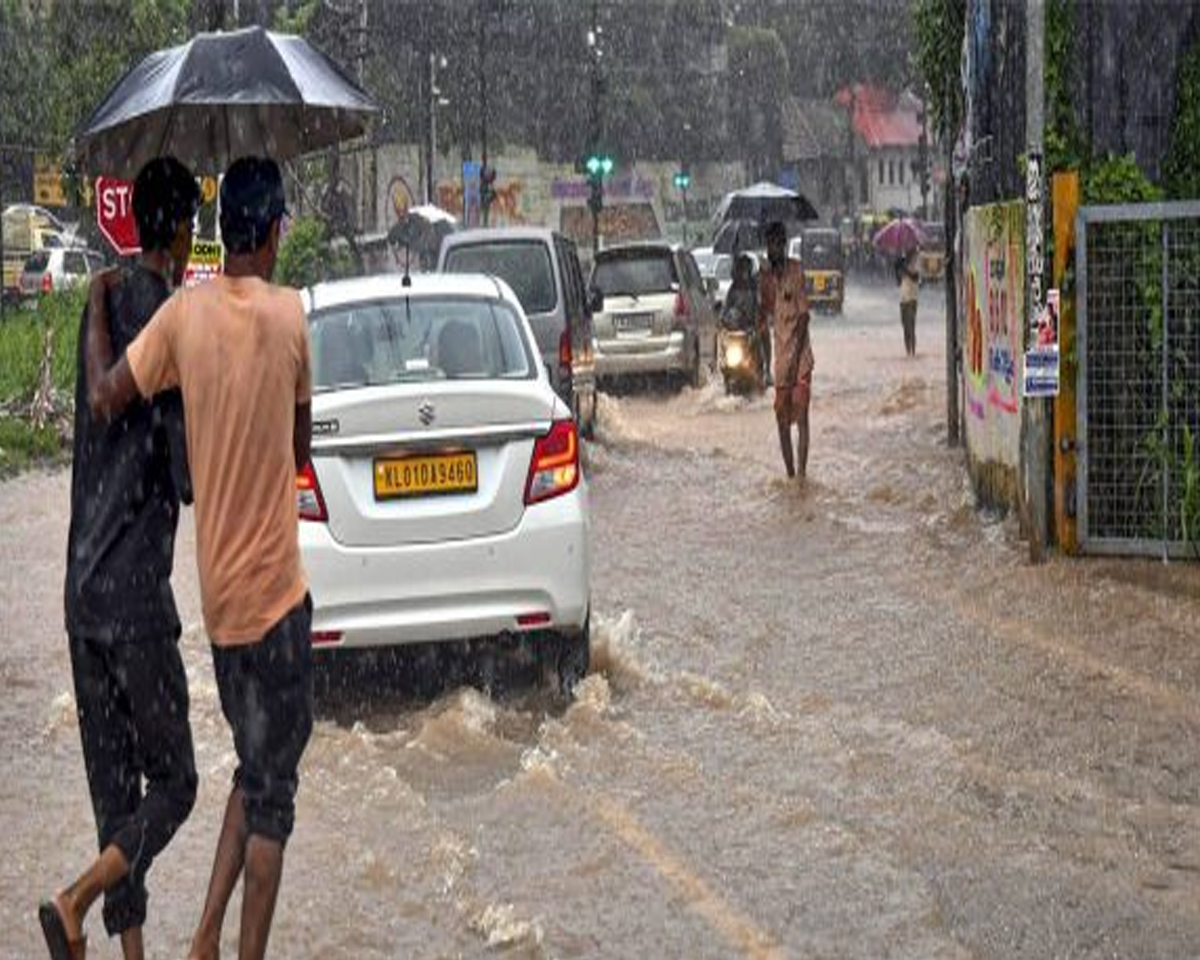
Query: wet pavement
x=840 y=720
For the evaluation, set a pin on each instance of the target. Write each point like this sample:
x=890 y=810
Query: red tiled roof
x=882 y=118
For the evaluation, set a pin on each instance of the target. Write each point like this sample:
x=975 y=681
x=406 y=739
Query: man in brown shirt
x=783 y=302
x=238 y=349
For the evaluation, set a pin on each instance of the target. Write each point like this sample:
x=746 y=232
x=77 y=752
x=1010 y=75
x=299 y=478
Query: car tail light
x=325 y=637
x=554 y=469
x=682 y=311
x=531 y=621
x=309 y=502
x=47 y=283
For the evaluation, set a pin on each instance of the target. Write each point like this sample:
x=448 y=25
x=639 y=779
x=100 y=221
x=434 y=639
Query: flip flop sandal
x=55 y=933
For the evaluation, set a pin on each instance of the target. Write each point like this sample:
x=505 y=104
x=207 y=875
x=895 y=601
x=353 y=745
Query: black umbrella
x=221 y=96
x=736 y=236
x=422 y=230
x=765 y=202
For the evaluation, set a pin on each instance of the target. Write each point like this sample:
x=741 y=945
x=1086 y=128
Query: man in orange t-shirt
x=783 y=301
x=237 y=346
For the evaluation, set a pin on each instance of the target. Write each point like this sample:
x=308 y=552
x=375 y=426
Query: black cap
x=252 y=199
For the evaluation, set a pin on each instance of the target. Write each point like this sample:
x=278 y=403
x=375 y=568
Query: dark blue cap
x=252 y=199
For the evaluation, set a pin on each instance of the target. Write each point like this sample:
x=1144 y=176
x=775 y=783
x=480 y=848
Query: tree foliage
x=1182 y=169
x=939 y=36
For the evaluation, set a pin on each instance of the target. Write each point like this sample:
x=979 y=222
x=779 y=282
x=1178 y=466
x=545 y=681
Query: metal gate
x=1138 y=353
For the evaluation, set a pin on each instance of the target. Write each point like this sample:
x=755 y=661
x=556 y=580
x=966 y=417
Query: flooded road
x=840 y=720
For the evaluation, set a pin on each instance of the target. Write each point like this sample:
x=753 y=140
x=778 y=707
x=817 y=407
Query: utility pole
x=1035 y=427
x=596 y=202
x=430 y=177
x=950 y=215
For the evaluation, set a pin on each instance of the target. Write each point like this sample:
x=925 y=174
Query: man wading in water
x=131 y=696
x=783 y=302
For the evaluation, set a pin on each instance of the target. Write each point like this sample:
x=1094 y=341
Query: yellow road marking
x=735 y=928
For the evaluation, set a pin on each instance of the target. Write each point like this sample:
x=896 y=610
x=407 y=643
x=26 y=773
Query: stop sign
x=114 y=214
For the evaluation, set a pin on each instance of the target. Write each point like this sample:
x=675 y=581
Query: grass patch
x=22 y=342
x=22 y=445
x=22 y=333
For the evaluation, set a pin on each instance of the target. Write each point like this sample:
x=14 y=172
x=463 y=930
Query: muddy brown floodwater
x=848 y=720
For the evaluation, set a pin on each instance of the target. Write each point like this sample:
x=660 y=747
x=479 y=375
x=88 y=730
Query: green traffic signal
x=683 y=180
x=599 y=165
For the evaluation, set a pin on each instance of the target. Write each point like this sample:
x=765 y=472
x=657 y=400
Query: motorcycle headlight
x=734 y=355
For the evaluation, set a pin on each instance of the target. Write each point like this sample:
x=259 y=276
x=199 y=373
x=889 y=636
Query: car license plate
x=633 y=322
x=426 y=476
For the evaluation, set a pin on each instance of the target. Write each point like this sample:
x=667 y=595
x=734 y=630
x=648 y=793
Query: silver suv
x=542 y=268
x=657 y=317
x=59 y=268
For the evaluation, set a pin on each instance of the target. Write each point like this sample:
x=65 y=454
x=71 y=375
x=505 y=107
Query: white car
x=445 y=499
x=57 y=268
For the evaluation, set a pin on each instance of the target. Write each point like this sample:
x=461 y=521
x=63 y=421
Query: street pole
x=950 y=216
x=1035 y=459
x=594 y=52
x=685 y=216
x=431 y=163
x=483 y=112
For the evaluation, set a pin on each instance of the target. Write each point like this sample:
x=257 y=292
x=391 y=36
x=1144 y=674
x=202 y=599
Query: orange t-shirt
x=238 y=349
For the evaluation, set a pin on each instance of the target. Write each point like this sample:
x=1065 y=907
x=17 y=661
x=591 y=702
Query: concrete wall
x=642 y=202
x=994 y=305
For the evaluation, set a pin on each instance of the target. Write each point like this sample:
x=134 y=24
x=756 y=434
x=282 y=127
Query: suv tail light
x=554 y=469
x=564 y=352
x=309 y=502
x=682 y=312
x=47 y=282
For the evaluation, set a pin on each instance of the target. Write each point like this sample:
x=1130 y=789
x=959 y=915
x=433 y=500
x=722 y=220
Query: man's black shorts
x=267 y=696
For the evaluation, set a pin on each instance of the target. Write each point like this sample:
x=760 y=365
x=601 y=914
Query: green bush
x=307 y=257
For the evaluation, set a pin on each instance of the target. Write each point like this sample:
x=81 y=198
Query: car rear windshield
x=417 y=340
x=523 y=265
x=630 y=273
x=37 y=262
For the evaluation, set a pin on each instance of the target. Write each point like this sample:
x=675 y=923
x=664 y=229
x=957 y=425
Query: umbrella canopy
x=735 y=236
x=221 y=96
x=765 y=202
x=422 y=230
x=900 y=237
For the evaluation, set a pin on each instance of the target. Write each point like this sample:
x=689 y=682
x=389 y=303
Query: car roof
x=659 y=245
x=500 y=234
x=386 y=286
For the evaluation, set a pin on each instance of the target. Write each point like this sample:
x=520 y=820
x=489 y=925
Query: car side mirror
x=595 y=300
x=712 y=286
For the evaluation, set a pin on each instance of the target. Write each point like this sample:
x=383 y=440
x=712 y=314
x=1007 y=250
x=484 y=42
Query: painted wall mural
x=995 y=298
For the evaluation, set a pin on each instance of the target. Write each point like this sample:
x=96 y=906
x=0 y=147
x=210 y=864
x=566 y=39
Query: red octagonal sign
x=114 y=214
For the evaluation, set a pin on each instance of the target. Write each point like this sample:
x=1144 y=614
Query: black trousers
x=908 y=319
x=132 y=703
x=266 y=693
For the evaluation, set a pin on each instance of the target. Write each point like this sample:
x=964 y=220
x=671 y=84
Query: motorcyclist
x=740 y=311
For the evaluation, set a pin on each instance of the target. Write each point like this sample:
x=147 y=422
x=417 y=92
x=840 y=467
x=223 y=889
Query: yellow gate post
x=1065 y=193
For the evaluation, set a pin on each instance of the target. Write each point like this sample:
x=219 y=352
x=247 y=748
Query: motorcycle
x=740 y=358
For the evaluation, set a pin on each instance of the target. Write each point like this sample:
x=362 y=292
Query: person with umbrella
x=238 y=345
x=127 y=480
x=783 y=303
x=901 y=239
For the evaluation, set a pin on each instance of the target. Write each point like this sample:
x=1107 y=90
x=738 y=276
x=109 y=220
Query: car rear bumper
x=462 y=590
x=634 y=355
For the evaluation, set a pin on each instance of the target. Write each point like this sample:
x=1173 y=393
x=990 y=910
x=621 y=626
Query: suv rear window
x=523 y=265
x=37 y=262
x=635 y=272
x=417 y=340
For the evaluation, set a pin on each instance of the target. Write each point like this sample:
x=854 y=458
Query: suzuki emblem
x=426 y=412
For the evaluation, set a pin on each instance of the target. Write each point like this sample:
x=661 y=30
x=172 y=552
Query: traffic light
x=598 y=166
x=683 y=180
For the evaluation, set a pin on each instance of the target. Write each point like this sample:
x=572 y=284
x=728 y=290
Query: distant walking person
x=239 y=347
x=910 y=278
x=131 y=696
x=783 y=302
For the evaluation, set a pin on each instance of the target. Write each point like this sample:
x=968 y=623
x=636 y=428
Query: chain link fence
x=1138 y=349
